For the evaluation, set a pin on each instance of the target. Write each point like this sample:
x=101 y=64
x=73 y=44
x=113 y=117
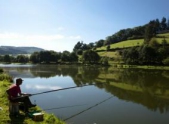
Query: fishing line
x=88 y=109
x=64 y=107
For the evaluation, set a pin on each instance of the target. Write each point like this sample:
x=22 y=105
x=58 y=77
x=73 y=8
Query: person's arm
x=10 y=97
x=23 y=94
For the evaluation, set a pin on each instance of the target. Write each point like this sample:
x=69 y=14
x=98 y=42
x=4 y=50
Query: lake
x=111 y=95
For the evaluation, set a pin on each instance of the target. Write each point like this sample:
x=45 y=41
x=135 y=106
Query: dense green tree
x=22 y=59
x=45 y=56
x=168 y=24
x=157 y=25
x=78 y=46
x=163 y=23
x=73 y=57
x=130 y=56
x=35 y=58
x=99 y=43
x=1 y=58
x=91 y=45
x=91 y=57
x=7 y=59
x=65 y=57
x=147 y=55
x=150 y=31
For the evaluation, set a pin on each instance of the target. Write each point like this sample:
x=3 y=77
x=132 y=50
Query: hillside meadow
x=113 y=53
x=136 y=42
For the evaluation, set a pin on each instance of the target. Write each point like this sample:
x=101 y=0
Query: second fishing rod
x=61 y=89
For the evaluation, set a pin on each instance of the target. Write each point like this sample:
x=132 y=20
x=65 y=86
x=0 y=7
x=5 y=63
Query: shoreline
x=23 y=118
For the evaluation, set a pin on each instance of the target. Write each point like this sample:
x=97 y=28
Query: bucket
x=38 y=116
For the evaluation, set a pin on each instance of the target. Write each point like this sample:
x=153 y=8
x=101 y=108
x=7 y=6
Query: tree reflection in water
x=147 y=87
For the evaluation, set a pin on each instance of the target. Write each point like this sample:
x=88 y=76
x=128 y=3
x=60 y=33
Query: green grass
x=124 y=44
x=108 y=54
x=102 y=51
x=166 y=35
x=22 y=119
x=127 y=43
x=132 y=43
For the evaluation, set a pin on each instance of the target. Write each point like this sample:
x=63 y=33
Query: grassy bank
x=5 y=82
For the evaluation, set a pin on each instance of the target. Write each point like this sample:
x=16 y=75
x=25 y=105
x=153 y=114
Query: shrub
x=1 y=70
x=166 y=61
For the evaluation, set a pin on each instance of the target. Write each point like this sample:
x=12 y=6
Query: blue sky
x=59 y=24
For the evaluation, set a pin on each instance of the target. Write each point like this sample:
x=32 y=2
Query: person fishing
x=15 y=95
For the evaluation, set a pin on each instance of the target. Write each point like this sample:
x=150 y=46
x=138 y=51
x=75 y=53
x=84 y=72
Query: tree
x=131 y=56
x=150 y=31
x=90 y=56
x=78 y=46
x=65 y=57
x=157 y=25
x=168 y=24
x=7 y=59
x=73 y=57
x=22 y=59
x=99 y=43
x=35 y=57
x=147 y=55
x=163 y=23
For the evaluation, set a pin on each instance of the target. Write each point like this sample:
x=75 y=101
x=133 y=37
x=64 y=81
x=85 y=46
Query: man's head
x=19 y=81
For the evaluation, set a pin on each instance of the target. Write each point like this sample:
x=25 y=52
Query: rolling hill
x=18 y=50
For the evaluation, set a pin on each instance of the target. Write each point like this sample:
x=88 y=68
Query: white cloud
x=45 y=37
x=56 y=42
x=10 y=36
x=42 y=87
x=30 y=37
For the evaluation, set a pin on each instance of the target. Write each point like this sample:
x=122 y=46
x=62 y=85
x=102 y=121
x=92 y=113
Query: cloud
x=17 y=36
x=56 y=42
x=42 y=87
x=45 y=37
x=8 y=36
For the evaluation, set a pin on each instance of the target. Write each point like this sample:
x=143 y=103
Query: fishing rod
x=88 y=108
x=61 y=89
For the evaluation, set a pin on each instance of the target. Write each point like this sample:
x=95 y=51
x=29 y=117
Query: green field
x=114 y=55
x=137 y=42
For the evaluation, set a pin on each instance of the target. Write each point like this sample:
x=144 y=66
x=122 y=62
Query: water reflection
x=149 y=88
x=42 y=87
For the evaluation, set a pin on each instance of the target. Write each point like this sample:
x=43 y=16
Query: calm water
x=118 y=96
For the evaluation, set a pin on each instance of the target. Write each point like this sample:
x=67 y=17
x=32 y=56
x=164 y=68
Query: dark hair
x=19 y=81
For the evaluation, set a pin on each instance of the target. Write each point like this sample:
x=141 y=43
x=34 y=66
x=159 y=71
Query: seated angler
x=15 y=95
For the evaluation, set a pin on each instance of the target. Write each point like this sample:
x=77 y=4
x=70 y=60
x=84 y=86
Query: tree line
x=48 y=57
x=146 y=32
x=150 y=53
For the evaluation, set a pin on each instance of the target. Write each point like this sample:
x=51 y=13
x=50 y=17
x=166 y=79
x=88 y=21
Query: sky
x=59 y=24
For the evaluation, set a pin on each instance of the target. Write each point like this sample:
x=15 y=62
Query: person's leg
x=26 y=101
